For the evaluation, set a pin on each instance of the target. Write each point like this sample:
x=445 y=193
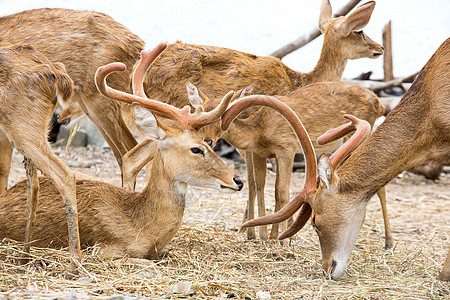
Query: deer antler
x=183 y=116
x=310 y=157
x=363 y=129
x=298 y=201
x=147 y=58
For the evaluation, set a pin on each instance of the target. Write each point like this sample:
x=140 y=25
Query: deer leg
x=285 y=163
x=6 y=150
x=250 y=209
x=107 y=117
x=445 y=273
x=259 y=168
x=134 y=160
x=37 y=149
x=32 y=200
x=388 y=239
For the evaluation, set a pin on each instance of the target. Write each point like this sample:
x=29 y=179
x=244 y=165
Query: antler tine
x=311 y=167
x=196 y=120
x=201 y=118
x=158 y=108
x=362 y=132
x=362 y=128
x=147 y=58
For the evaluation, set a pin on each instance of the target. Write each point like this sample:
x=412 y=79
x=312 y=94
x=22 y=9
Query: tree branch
x=305 y=39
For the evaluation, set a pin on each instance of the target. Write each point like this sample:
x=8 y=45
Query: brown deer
x=82 y=41
x=30 y=88
x=265 y=134
x=417 y=130
x=218 y=70
x=122 y=222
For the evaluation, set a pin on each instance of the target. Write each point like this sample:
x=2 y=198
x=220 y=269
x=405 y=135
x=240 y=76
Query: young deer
x=417 y=130
x=30 y=88
x=122 y=222
x=83 y=41
x=321 y=106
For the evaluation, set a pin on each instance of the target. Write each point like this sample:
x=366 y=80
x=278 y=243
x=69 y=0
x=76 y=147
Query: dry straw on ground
x=215 y=261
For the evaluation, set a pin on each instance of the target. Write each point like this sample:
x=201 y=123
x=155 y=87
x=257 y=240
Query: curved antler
x=310 y=157
x=147 y=58
x=196 y=120
x=363 y=129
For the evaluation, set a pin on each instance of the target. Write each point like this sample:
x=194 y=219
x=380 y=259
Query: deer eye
x=196 y=150
x=361 y=33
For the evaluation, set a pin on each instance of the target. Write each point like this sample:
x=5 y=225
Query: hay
x=214 y=261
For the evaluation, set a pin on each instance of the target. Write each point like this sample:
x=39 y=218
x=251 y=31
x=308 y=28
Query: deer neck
x=330 y=67
x=240 y=131
x=162 y=201
x=397 y=145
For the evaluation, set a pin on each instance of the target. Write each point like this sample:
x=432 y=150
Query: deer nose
x=382 y=48
x=239 y=182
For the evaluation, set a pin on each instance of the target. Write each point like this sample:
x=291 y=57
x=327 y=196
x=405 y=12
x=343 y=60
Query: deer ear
x=326 y=173
x=147 y=124
x=325 y=15
x=194 y=97
x=358 y=19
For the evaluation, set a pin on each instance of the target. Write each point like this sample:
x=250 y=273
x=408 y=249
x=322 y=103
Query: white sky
x=263 y=26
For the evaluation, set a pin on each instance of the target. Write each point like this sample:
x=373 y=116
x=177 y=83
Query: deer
x=97 y=40
x=417 y=130
x=131 y=223
x=321 y=106
x=30 y=88
x=217 y=70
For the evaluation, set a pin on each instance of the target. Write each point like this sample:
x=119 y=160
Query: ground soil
x=419 y=211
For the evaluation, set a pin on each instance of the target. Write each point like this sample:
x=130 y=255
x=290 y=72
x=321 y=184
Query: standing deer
x=417 y=130
x=98 y=39
x=30 y=88
x=321 y=106
x=217 y=70
x=82 y=41
x=122 y=222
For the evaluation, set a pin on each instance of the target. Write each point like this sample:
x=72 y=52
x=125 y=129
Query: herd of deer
x=92 y=66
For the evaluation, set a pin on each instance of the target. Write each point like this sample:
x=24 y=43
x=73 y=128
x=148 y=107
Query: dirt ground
x=218 y=262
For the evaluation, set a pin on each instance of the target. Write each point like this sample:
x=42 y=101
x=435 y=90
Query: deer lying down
x=417 y=130
x=265 y=134
x=122 y=222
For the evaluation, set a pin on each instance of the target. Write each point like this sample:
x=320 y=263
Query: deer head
x=345 y=33
x=336 y=241
x=203 y=168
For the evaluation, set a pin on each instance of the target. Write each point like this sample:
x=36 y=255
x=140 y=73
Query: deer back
x=82 y=40
x=214 y=70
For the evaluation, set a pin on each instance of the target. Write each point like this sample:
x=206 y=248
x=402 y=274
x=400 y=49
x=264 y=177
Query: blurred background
x=263 y=26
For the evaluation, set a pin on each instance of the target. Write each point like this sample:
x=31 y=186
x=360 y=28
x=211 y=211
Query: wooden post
x=387 y=59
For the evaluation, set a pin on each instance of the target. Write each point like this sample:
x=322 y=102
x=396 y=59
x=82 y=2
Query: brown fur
x=320 y=106
x=416 y=131
x=83 y=41
x=30 y=87
x=121 y=222
x=215 y=70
